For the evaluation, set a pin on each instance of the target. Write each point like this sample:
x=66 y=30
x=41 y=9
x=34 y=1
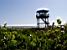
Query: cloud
x=55 y=21
x=63 y=22
x=21 y=25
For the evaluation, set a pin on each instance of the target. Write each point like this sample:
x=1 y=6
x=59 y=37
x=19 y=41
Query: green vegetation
x=58 y=21
x=33 y=39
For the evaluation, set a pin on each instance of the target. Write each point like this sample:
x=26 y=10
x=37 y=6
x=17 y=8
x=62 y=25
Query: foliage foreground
x=32 y=39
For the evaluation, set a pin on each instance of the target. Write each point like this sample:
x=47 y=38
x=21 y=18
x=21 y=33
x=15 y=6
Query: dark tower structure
x=44 y=16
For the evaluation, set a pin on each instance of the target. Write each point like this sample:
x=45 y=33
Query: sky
x=22 y=12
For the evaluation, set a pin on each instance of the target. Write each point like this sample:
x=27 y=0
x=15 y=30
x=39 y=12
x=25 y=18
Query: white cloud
x=21 y=24
x=55 y=21
x=63 y=22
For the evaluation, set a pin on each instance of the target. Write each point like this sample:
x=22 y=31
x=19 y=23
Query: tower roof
x=42 y=10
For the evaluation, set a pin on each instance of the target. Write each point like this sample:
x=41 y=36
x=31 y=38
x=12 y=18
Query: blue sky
x=23 y=11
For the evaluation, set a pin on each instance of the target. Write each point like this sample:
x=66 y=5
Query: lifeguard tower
x=42 y=14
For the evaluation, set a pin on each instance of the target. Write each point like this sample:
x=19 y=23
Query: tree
x=59 y=21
